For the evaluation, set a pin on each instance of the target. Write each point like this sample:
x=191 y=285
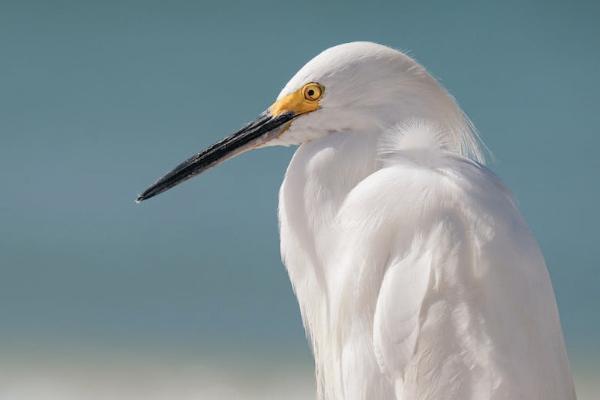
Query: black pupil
x=311 y=92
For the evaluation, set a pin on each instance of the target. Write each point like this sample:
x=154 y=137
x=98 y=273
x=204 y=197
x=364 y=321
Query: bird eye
x=312 y=91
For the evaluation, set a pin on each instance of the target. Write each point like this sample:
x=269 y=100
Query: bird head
x=354 y=87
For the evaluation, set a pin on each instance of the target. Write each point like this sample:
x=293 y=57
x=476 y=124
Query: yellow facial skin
x=302 y=101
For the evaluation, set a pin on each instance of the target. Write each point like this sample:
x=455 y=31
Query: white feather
x=417 y=277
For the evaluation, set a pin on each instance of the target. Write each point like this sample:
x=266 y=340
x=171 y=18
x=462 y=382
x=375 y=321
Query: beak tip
x=150 y=192
x=140 y=198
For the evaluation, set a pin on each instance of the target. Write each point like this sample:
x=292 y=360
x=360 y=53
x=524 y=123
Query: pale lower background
x=167 y=379
x=185 y=296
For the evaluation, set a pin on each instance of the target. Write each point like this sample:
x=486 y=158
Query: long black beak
x=256 y=133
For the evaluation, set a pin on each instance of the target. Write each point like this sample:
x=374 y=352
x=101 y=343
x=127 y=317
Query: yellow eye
x=312 y=91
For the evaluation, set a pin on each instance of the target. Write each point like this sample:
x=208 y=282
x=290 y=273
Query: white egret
x=416 y=275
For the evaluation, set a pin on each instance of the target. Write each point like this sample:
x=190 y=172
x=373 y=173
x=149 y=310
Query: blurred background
x=185 y=296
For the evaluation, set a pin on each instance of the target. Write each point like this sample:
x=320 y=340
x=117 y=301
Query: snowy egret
x=416 y=275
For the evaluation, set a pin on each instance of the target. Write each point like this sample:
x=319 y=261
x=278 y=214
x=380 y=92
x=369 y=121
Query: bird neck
x=319 y=177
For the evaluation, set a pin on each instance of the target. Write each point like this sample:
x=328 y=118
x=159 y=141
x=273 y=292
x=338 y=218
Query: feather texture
x=416 y=276
x=425 y=283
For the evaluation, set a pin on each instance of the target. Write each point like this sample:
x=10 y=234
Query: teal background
x=98 y=99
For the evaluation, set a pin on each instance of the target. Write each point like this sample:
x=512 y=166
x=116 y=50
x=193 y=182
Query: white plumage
x=416 y=276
